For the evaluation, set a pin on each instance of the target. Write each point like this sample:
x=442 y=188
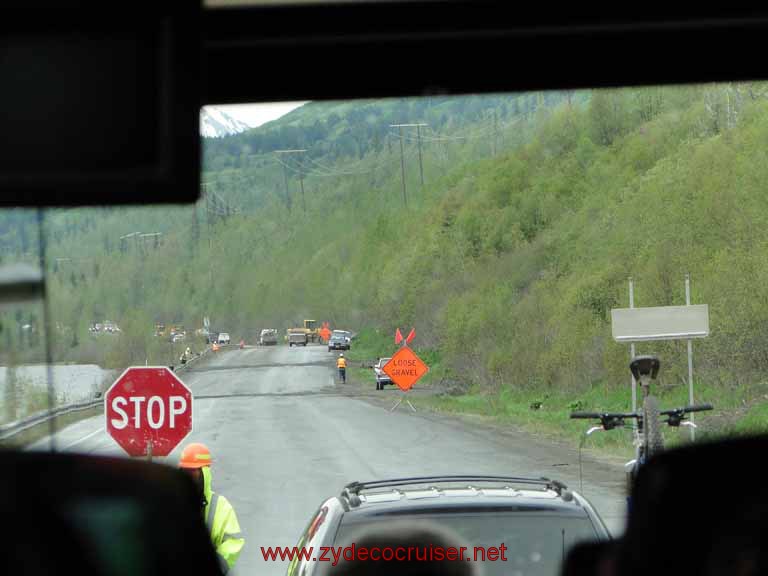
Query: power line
x=285 y=178
x=325 y=171
x=239 y=178
x=340 y=172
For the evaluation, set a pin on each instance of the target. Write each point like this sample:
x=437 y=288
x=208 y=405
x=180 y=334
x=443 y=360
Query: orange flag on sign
x=398 y=336
x=411 y=336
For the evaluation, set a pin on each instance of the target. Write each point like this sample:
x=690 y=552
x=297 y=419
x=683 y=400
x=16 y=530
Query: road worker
x=218 y=513
x=341 y=364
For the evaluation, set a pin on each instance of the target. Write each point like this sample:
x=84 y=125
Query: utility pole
x=285 y=179
x=287 y=193
x=301 y=182
x=402 y=167
x=402 y=154
x=495 y=133
x=154 y=235
x=421 y=167
x=124 y=240
x=210 y=240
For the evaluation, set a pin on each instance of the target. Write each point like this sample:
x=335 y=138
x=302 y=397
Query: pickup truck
x=381 y=377
x=297 y=339
x=339 y=341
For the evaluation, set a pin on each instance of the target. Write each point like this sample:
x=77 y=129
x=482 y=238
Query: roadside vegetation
x=507 y=261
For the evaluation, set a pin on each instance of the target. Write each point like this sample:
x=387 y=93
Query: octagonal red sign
x=148 y=405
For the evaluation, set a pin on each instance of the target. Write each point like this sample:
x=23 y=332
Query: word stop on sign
x=138 y=411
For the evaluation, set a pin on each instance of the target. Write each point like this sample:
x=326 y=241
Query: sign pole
x=632 y=353
x=690 y=358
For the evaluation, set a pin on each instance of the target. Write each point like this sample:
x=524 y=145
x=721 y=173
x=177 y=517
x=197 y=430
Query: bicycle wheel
x=654 y=442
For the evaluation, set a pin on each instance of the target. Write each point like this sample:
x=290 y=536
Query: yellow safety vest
x=222 y=524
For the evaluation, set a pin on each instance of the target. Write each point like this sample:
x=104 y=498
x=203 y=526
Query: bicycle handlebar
x=586 y=415
x=687 y=409
x=602 y=415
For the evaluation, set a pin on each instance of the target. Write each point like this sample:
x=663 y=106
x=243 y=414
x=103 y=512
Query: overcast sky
x=257 y=114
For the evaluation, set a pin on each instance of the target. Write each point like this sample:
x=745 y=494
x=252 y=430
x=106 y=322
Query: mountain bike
x=648 y=438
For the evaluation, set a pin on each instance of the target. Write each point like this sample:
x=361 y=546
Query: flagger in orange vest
x=341 y=364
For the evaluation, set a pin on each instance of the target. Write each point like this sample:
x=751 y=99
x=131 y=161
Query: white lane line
x=84 y=438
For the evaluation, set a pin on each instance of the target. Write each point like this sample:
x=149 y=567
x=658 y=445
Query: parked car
x=339 y=340
x=223 y=338
x=297 y=339
x=268 y=337
x=381 y=377
x=537 y=519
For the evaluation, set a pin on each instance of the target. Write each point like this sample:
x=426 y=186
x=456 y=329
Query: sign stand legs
x=400 y=401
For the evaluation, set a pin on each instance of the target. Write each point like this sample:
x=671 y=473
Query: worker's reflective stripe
x=212 y=511
x=223 y=562
x=235 y=536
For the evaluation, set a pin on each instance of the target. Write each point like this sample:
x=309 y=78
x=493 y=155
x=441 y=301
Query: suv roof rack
x=351 y=491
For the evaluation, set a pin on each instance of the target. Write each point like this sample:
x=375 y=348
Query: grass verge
x=736 y=410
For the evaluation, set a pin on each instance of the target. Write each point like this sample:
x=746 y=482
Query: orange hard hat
x=195 y=455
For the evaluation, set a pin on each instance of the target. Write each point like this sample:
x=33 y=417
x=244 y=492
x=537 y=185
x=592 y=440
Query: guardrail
x=8 y=431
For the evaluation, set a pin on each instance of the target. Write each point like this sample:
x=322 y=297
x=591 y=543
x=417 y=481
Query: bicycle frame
x=644 y=369
x=639 y=441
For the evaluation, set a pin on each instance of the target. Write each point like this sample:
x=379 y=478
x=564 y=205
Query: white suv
x=223 y=338
x=381 y=377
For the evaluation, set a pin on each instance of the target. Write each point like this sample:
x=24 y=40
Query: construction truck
x=310 y=329
x=313 y=332
x=297 y=338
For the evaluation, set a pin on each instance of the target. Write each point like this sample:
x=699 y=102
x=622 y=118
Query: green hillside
x=535 y=210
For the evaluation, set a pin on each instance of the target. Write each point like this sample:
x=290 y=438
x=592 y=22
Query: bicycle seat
x=644 y=365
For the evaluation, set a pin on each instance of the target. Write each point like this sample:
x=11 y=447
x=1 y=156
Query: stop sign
x=148 y=405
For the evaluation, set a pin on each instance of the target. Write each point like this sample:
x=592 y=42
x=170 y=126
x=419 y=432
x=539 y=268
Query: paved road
x=284 y=438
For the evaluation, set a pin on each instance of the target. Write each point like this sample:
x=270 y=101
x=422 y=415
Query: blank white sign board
x=660 y=323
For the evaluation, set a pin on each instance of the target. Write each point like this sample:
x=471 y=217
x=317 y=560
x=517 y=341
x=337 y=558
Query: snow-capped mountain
x=215 y=123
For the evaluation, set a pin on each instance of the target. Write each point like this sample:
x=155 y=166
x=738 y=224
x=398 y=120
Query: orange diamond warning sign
x=405 y=368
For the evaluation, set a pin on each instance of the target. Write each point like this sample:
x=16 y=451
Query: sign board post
x=148 y=411
x=690 y=359
x=632 y=354
x=662 y=323
x=405 y=368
